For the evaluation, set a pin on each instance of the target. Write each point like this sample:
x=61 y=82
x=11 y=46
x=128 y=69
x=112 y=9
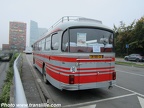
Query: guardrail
x=19 y=94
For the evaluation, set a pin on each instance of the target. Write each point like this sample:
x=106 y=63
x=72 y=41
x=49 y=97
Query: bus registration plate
x=95 y=56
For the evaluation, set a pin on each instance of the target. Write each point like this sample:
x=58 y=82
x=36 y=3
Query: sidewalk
x=29 y=84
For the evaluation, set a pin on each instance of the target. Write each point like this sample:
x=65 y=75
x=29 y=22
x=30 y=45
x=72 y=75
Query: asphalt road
x=128 y=93
x=3 y=70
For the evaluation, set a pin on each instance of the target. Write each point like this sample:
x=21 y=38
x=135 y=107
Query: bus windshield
x=89 y=40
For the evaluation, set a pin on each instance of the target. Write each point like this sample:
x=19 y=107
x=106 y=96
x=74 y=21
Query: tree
x=123 y=36
x=138 y=38
x=133 y=35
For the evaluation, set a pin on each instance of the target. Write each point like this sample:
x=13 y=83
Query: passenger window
x=43 y=45
x=65 y=42
x=36 y=46
x=55 y=41
x=40 y=46
x=48 y=40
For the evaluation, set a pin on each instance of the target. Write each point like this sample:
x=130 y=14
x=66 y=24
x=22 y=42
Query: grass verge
x=5 y=95
x=133 y=64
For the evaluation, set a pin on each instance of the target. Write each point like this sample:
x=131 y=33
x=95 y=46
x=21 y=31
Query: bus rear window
x=87 y=40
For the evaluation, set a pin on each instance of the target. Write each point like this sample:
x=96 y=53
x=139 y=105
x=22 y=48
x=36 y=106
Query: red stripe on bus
x=68 y=69
x=104 y=71
x=81 y=79
x=70 y=59
x=38 y=63
x=58 y=68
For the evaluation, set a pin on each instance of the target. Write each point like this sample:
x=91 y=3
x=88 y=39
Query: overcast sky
x=47 y=12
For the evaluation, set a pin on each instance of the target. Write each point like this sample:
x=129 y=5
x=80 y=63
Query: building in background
x=5 y=47
x=35 y=32
x=42 y=31
x=17 y=36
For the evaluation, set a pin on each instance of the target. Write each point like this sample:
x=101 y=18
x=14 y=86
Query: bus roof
x=74 y=21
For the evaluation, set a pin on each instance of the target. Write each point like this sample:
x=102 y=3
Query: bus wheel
x=44 y=76
x=33 y=61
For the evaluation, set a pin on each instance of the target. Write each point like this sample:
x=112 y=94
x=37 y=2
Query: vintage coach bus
x=76 y=54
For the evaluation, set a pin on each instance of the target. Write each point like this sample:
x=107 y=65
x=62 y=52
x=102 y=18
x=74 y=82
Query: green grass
x=134 y=64
x=5 y=95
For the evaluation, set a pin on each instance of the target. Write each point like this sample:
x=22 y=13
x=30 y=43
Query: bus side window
x=55 y=42
x=40 y=46
x=43 y=45
x=37 y=46
x=65 y=41
x=48 y=40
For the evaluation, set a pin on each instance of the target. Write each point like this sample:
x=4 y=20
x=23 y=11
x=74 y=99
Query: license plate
x=95 y=56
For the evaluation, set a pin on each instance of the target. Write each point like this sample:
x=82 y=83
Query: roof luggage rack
x=75 y=18
x=71 y=18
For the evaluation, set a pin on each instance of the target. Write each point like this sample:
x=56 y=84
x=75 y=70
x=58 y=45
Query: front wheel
x=44 y=76
x=126 y=59
x=137 y=60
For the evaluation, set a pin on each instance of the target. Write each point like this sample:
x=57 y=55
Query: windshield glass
x=87 y=40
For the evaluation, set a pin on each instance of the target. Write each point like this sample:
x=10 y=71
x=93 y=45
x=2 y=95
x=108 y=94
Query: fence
x=19 y=94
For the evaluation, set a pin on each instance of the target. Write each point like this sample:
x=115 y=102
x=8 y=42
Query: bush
x=5 y=96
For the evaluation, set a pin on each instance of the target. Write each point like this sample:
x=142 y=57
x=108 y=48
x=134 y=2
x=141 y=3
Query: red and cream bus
x=76 y=54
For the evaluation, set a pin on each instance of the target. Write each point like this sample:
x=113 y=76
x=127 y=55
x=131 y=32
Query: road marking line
x=141 y=100
x=131 y=73
x=89 y=106
x=101 y=100
x=130 y=90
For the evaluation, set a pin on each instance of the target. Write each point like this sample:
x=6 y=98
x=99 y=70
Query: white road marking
x=131 y=73
x=141 y=100
x=130 y=90
x=112 y=98
x=89 y=106
x=101 y=100
x=39 y=80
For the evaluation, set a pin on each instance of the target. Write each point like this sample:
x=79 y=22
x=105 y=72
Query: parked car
x=134 y=57
x=28 y=50
x=5 y=56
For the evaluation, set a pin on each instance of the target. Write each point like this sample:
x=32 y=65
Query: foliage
x=133 y=64
x=132 y=35
x=5 y=96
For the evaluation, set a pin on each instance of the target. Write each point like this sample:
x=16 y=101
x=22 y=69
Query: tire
x=126 y=59
x=137 y=60
x=33 y=61
x=44 y=75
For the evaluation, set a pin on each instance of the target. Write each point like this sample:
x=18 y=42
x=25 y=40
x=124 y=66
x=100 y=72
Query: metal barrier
x=19 y=94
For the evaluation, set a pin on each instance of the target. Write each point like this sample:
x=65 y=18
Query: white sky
x=47 y=12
